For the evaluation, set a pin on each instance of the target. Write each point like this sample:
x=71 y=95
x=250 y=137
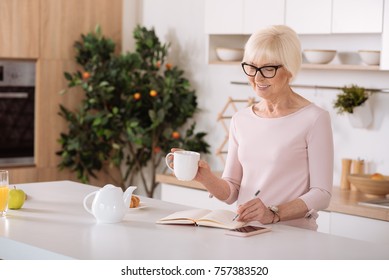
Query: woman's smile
x=262 y=87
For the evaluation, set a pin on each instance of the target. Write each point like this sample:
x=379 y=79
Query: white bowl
x=370 y=57
x=319 y=56
x=228 y=54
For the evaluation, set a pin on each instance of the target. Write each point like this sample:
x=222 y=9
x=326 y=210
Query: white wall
x=131 y=16
x=181 y=22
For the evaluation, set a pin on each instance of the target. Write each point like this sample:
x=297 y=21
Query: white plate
x=141 y=206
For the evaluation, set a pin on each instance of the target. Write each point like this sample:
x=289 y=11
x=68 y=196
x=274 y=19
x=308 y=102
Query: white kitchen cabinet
x=304 y=16
x=309 y=17
x=261 y=13
x=228 y=23
x=354 y=227
x=357 y=16
x=360 y=228
x=334 y=16
x=242 y=16
x=223 y=17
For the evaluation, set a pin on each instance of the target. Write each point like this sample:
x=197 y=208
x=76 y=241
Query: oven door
x=16 y=125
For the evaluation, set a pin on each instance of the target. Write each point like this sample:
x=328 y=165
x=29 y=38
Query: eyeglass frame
x=259 y=69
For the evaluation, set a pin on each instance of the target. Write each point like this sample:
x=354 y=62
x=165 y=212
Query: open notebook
x=203 y=217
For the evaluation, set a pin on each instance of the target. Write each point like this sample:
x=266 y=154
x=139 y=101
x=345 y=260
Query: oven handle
x=9 y=95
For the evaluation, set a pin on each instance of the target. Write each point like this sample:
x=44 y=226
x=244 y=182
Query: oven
x=17 y=112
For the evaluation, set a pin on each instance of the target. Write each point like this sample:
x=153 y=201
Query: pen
x=255 y=195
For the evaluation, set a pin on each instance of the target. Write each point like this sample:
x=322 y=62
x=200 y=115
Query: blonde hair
x=277 y=44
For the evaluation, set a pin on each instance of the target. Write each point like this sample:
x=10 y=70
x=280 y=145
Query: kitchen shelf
x=381 y=90
x=218 y=62
x=341 y=67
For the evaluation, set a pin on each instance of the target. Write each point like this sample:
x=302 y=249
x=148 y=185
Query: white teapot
x=110 y=203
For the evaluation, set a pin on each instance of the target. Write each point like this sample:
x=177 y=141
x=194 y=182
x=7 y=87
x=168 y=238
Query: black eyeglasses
x=266 y=71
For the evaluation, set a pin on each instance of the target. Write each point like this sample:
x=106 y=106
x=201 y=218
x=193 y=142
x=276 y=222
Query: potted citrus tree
x=136 y=107
x=354 y=101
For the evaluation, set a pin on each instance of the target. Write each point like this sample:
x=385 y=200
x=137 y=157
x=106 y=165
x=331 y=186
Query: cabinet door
x=223 y=16
x=357 y=16
x=81 y=17
x=309 y=17
x=360 y=228
x=19 y=28
x=261 y=13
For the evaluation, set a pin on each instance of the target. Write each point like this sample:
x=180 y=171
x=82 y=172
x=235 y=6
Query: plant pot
x=362 y=116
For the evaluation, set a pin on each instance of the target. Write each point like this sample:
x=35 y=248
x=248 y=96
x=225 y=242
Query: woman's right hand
x=203 y=172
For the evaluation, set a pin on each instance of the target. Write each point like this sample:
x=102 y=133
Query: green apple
x=16 y=198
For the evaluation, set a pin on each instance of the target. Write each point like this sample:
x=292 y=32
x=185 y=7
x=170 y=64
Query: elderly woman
x=281 y=146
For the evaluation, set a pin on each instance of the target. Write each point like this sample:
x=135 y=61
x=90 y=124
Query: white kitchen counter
x=54 y=225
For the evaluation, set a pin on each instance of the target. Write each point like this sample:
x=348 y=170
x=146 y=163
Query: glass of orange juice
x=3 y=192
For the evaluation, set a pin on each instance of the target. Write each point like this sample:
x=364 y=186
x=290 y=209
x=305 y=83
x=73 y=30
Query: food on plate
x=135 y=201
x=377 y=176
x=16 y=198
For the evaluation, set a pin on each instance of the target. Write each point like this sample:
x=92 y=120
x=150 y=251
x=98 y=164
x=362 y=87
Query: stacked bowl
x=319 y=56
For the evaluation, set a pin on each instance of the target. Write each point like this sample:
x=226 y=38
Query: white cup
x=185 y=164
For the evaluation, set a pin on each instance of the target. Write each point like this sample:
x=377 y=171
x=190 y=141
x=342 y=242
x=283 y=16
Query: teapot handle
x=85 y=199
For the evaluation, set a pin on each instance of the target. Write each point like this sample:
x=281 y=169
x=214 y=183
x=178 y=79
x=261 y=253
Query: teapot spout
x=127 y=195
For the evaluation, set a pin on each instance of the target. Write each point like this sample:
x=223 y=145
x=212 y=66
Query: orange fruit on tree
x=176 y=135
x=153 y=93
x=157 y=150
x=168 y=66
x=86 y=75
x=137 y=96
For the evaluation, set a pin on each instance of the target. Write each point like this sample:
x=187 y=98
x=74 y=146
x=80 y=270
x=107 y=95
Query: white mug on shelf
x=185 y=164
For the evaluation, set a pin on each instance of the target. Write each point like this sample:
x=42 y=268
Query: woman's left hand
x=254 y=210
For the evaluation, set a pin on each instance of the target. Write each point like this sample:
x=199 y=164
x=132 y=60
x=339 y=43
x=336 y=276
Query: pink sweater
x=286 y=158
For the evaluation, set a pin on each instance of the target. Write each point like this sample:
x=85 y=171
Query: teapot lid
x=109 y=187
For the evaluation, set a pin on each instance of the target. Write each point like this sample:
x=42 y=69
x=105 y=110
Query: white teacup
x=185 y=164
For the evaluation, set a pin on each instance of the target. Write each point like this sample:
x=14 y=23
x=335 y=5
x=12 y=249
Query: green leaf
x=103 y=84
x=98 y=29
x=97 y=122
x=68 y=76
x=152 y=115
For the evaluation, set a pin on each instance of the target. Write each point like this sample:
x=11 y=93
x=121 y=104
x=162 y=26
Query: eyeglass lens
x=266 y=71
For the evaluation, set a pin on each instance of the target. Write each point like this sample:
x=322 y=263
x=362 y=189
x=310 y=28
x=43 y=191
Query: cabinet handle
x=9 y=95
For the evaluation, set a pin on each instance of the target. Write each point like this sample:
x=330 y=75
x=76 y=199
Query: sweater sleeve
x=233 y=169
x=320 y=157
